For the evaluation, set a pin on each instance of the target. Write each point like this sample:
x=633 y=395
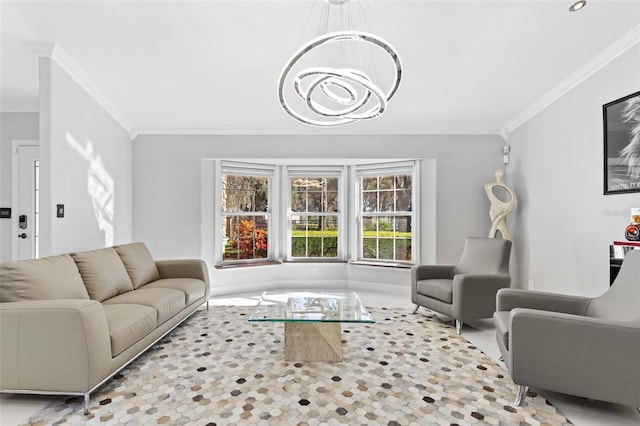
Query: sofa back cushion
x=47 y=278
x=139 y=263
x=103 y=273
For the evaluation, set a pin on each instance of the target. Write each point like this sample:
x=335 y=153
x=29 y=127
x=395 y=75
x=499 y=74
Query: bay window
x=354 y=212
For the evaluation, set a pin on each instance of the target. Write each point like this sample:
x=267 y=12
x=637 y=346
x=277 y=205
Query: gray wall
x=564 y=224
x=85 y=165
x=13 y=126
x=167 y=182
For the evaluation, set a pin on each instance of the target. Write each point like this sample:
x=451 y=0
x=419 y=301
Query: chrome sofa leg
x=458 y=326
x=86 y=403
x=207 y=304
x=415 y=309
x=522 y=392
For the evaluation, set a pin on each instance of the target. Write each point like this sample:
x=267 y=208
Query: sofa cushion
x=128 y=324
x=166 y=301
x=138 y=262
x=193 y=289
x=103 y=273
x=47 y=278
x=440 y=289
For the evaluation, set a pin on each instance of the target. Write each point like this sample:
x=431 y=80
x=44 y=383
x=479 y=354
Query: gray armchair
x=587 y=347
x=467 y=290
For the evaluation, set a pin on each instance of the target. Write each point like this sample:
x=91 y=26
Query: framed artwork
x=621 y=123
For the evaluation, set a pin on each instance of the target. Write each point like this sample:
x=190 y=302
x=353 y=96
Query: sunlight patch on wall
x=100 y=186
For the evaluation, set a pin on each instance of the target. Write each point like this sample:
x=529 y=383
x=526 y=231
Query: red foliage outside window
x=250 y=241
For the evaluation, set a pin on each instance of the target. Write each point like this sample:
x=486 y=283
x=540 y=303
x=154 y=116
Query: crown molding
x=19 y=106
x=604 y=58
x=194 y=130
x=54 y=51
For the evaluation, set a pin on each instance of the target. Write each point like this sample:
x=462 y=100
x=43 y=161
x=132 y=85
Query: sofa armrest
x=54 y=345
x=185 y=268
x=591 y=357
x=424 y=272
x=511 y=298
x=474 y=295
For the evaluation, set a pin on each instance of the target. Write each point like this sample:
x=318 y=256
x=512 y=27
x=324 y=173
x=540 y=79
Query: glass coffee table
x=311 y=320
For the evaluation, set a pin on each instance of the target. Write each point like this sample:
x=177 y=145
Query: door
x=26 y=189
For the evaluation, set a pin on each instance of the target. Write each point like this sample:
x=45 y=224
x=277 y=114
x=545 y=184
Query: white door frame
x=15 y=188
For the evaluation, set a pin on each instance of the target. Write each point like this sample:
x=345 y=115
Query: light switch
x=60 y=210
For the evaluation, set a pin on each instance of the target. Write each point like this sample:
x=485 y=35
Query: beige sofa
x=68 y=323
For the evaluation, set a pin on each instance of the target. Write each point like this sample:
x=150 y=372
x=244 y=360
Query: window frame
x=387 y=169
x=250 y=170
x=294 y=171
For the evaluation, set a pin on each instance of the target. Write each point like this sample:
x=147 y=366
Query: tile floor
x=15 y=409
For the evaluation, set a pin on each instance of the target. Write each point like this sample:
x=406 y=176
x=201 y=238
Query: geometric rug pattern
x=219 y=369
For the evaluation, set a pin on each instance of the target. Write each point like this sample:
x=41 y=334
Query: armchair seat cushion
x=128 y=324
x=439 y=289
x=501 y=321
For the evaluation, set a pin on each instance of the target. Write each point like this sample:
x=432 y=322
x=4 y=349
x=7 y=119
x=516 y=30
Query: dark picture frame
x=621 y=125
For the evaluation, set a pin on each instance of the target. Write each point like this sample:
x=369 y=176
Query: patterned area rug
x=219 y=369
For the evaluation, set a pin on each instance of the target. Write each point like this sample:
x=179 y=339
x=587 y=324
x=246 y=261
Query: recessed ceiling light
x=578 y=5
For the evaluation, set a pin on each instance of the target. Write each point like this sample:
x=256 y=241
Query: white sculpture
x=500 y=209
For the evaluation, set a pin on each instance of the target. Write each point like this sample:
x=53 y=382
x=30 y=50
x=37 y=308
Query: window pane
x=403 y=182
x=299 y=246
x=387 y=203
x=403 y=200
x=299 y=201
x=314 y=199
x=332 y=202
x=386 y=182
x=370 y=184
x=385 y=224
x=330 y=241
x=369 y=224
x=245 y=237
x=332 y=184
x=385 y=248
x=370 y=202
x=403 y=249
x=403 y=226
x=369 y=248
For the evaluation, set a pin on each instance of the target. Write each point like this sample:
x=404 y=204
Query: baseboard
x=258 y=287
x=398 y=290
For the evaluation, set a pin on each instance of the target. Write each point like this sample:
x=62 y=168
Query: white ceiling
x=213 y=66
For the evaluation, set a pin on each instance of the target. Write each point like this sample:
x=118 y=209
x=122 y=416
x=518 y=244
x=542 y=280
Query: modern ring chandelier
x=345 y=92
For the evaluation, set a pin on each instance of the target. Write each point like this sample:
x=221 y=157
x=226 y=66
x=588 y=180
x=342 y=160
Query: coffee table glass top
x=311 y=306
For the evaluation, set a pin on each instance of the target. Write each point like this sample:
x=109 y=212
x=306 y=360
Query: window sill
x=232 y=265
x=396 y=265
x=320 y=260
